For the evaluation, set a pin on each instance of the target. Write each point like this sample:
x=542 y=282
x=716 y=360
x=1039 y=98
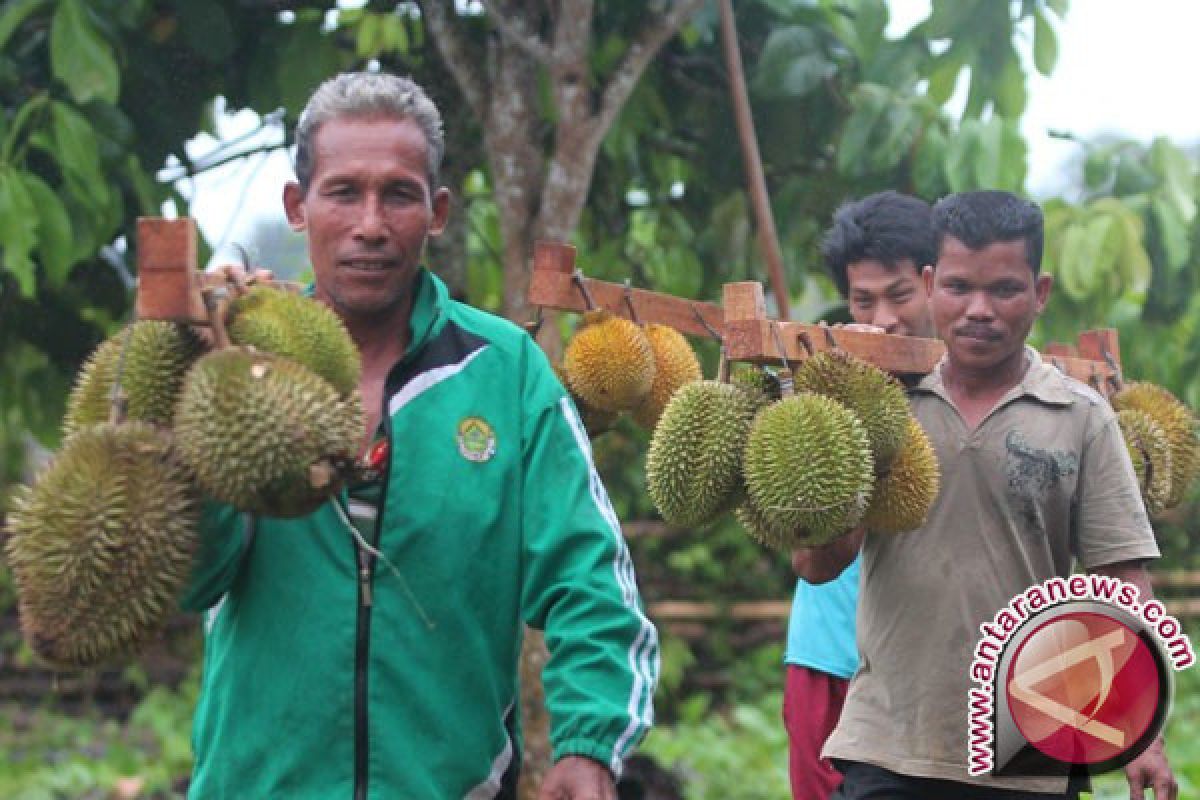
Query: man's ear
x=293 y=206
x=1042 y=289
x=441 y=211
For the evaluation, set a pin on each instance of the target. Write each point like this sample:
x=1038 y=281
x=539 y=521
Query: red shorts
x=812 y=703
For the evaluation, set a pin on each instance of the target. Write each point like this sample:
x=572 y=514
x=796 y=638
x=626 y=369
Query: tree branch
x=638 y=57
x=514 y=30
x=452 y=43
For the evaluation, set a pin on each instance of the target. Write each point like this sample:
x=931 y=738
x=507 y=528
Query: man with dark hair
x=1034 y=475
x=875 y=251
x=370 y=649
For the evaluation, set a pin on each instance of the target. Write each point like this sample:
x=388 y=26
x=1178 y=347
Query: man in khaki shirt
x=1034 y=475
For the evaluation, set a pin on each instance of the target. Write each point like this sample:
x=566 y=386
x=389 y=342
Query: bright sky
x=1123 y=67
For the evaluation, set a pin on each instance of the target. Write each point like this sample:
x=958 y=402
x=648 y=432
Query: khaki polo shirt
x=1042 y=484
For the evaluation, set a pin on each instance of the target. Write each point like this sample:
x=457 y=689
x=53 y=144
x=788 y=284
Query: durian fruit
x=155 y=359
x=1150 y=453
x=675 y=364
x=759 y=382
x=609 y=363
x=101 y=545
x=874 y=396
x=1177 y=423
x=771 y=530
x=296 y=327
x=264 y=434
x=693 y=466
x=595 y=422
x=808 y=468
x=904 y=494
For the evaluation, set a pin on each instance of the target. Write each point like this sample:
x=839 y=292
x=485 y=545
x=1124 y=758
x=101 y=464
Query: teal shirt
x=821 y=630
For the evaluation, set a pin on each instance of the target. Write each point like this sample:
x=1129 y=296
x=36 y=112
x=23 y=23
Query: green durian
x=102 y=543
x=693 y=466
x=1150 y=452
x=759 y=382
x=808 y=468
x=904 y=494
x=1176 y=421
x=156 y=356
x=873 y=395
x=296 y=327
x=264 y=434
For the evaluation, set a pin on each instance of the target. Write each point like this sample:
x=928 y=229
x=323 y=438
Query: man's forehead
x=872 y=274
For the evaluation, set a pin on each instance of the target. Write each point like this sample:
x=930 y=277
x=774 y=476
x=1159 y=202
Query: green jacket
x=321 y=683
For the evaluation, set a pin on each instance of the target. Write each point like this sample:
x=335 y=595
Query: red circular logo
x=1084 y=688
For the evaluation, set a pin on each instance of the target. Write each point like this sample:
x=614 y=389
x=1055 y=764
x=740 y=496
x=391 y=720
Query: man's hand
x=578 y=778
x=1150 y=770
x=823 y=564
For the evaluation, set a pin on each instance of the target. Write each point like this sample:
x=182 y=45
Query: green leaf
x=1172 y=232
x=14 y=13
x=961 y=153
x=870 y=20
x=309 y=56
x=1001 y=157
x=1010 y=88
x=870 y=102
x=928 y=177
x=792 y=63
x=80 y=56
x=948 y=18
x=54 y=244
x=1098 y=168
x=1045 y=44
x=1058 y=7
x=75 y=145
x=944 y=75
x=18 y=230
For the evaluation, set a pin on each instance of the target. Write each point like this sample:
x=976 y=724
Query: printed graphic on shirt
x=476 y=439
x=1033 y=473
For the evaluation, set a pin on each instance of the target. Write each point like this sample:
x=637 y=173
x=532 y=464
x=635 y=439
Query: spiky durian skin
x=1176 y=421
x=155 y=360
x=609 y=363
x=693 y=466
x=102 y=543
x=299 y=328
x=771 y=531
x=904 y=494
x=762 y=386
x=257 y=428
x=1150 y=452
x=595 y=421
x=675 y=364
x=808 y=467
x=873 y=395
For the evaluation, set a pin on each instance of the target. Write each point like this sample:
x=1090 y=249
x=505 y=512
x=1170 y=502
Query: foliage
x=49 y=755
x=741 y=753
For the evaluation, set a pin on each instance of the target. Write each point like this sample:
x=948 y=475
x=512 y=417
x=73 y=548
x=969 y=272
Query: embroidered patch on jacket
x=1032 y=473
x=476 y=439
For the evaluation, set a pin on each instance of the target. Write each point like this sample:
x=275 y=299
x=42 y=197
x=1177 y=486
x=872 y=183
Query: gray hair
x=367 y=94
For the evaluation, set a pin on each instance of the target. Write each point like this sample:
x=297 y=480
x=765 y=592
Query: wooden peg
x=166 y=257
x=744 y=300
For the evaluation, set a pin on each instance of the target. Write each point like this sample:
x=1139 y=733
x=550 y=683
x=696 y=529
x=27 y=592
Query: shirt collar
x=1040 y=381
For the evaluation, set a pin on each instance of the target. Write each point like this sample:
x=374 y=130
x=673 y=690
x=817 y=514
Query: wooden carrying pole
x=756 y=182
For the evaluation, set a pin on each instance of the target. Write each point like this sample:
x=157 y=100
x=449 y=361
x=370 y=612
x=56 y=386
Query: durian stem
x=119 y=404
x=216 y=317
x=577 y=277
x=633 y=315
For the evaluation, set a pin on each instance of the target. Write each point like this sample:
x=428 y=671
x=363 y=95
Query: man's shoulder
x=496 y=330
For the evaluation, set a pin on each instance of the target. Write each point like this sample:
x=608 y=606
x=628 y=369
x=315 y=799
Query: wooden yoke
x=168 y=285
x=557 y=284
x=751 y=336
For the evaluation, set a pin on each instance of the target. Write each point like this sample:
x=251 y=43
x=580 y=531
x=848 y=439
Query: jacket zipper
x=366 y=572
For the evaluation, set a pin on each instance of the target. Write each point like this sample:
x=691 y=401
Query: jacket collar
x=428 y=315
